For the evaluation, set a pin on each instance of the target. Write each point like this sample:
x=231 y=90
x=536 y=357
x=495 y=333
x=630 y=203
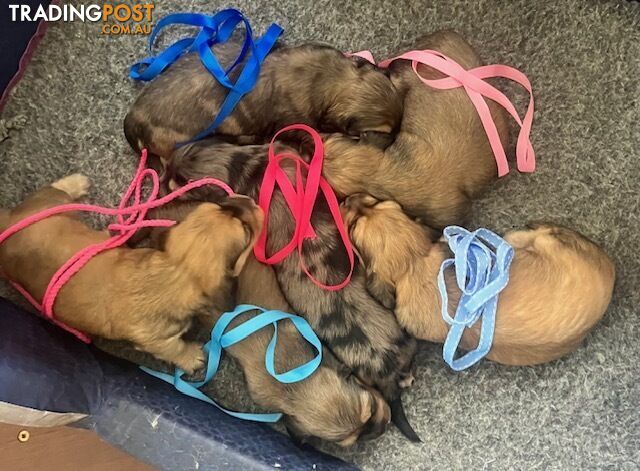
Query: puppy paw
x=76 y=185
x=192 y=358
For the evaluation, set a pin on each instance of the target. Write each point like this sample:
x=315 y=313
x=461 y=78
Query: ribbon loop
x=222 y=339
x=215 y=29
x=300 y=201
x=473 y=82
x=482 y=260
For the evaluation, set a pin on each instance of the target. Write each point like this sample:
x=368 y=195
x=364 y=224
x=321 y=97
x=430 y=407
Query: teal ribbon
x=221 y=339
x=482 y=260
x=215 y=29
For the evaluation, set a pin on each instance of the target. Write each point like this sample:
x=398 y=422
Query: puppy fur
x=362 y=333
x=560 y=283
x=330 y=404
x=441 y=159
x=312 y=84
x=145 y=296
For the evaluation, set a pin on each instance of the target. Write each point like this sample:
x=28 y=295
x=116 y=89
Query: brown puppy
x=560 y=283
x=145 y=296
x=440 y=160
x=330 y=404
x=312 y=84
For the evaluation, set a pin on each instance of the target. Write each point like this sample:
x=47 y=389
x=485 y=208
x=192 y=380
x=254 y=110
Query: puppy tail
x=399 y=418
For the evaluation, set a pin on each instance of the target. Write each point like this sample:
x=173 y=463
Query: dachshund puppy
x=560 y=283
x=148 y=297
x=330 y=404
x=362 y=333
x=441 y=158
x=312 y=84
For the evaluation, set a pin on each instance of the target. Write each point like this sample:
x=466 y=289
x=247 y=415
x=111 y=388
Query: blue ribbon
x=220 y=339
x=215 y=29
x=482 y=260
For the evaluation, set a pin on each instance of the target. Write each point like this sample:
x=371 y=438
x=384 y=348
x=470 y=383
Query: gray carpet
x=582 y=56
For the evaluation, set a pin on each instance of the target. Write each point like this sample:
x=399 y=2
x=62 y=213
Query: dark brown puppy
x=440 y=160
x=311 y=84
x=361 y=332
x=148 y=297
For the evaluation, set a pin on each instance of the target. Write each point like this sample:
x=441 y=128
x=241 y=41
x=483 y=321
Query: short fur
x=312 y=84
x=560 y=283
x=330 y=404
x=441 y=158
x=361 y=332
x=145 y=296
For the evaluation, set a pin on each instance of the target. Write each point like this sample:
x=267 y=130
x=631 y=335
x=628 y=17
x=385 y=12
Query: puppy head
x=362 y=99
x=332 y=405
x=386 y=238
x=564 y=268
x=214 y=241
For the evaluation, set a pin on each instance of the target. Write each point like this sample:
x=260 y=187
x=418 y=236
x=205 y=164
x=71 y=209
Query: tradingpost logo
x=116 y=18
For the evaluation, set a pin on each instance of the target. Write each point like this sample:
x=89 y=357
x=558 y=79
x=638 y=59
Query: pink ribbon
x=478 y=89
x=300 y=201
x=130 y=218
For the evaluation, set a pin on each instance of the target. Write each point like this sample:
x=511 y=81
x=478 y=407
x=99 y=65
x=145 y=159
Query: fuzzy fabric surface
x=583 y=58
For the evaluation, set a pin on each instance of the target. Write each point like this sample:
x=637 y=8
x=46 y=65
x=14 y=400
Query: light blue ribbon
x=220 y=339
x=482 y=260
x=215 y=29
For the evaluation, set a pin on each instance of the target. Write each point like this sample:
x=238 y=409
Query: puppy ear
x=243 y=208
x=383 y=291
x=242 y=259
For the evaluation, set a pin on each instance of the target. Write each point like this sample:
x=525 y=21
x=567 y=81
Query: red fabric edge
x=32 y=45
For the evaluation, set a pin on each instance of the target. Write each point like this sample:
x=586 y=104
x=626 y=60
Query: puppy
x=145 y=296
x=312 y=84
x=330 y=404
x=362 y=333
x=441 y=158
x=560 y=283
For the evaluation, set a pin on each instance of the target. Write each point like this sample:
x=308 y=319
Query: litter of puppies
x=275 y=160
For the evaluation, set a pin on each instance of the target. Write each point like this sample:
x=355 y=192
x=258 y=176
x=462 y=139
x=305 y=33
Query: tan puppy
x=145 y=296
x=441 y=159
x=331 y=404
x=560 y=283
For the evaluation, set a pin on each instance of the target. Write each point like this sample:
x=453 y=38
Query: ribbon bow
x=473 y=82
x=215 y=29
x=221 y=339
x=301 y=201
x=482 y=260
x=131 y=216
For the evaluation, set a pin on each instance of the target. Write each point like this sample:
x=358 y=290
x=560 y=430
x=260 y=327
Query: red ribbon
x=300 y=201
